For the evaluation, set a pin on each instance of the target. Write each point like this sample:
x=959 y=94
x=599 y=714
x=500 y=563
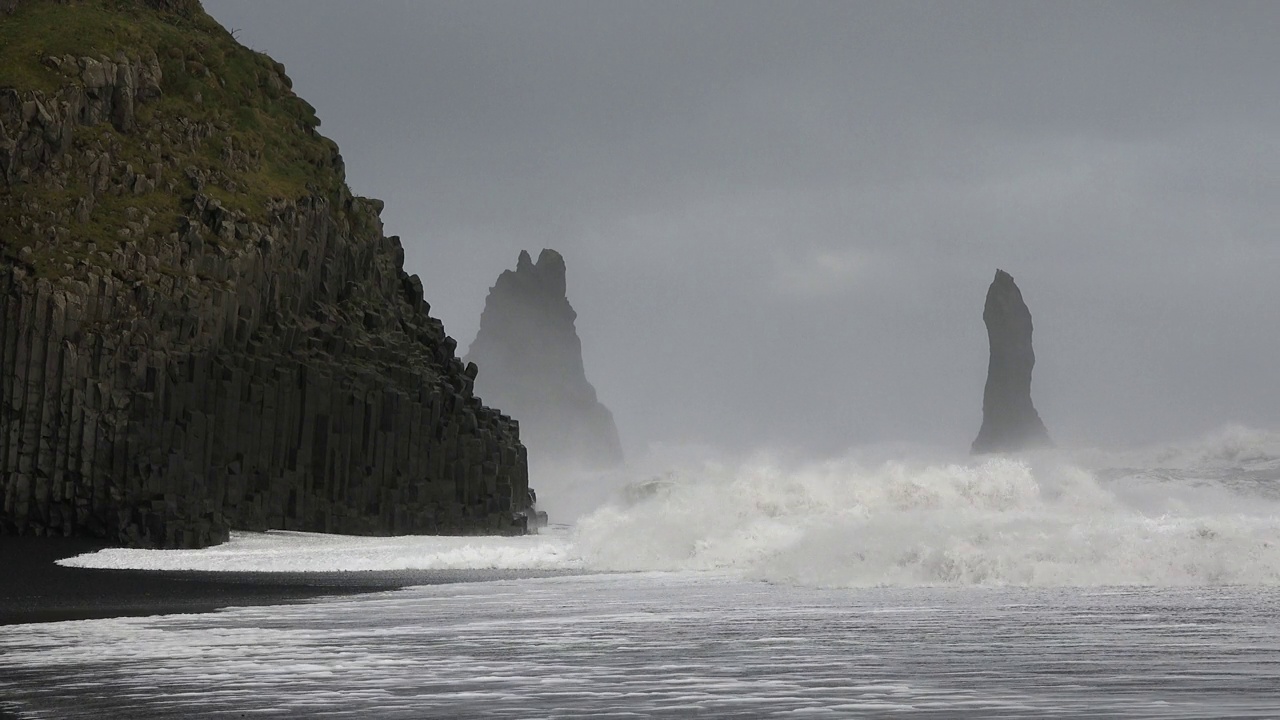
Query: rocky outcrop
x=197 y=335
x=530 y=361
x=1009 y=420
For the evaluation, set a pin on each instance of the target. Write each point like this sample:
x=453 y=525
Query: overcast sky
x=780 y=219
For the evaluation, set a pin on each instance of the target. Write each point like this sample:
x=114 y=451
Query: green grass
x=208 y=78
x=88 y=28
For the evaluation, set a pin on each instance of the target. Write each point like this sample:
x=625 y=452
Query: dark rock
x=530 y=361
x=257 y=365
x=1009 y=420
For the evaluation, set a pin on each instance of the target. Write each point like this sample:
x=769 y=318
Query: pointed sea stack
x=530 y=360
x=1009 y=420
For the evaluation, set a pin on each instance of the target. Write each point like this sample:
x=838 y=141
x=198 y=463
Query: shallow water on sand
x=669 y=645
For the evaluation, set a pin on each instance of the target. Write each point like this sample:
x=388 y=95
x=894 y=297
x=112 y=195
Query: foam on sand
x=281 y=551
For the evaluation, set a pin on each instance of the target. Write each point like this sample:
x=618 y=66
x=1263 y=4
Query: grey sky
x=780 y=219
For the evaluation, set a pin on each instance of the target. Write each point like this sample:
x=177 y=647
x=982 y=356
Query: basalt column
x=201 y=328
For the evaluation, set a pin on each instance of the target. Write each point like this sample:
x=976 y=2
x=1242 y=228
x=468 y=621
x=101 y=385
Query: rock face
x=200 y=327
x=530 y=361
x=1009 y=420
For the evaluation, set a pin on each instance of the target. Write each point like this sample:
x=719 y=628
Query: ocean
x=1143 y=583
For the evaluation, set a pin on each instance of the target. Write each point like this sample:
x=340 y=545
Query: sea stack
x=1009 y=420
x=201 y=328
x=530 y=360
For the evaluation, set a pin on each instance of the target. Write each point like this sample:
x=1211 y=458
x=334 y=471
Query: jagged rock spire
x=530 y=360
x=1009 y=420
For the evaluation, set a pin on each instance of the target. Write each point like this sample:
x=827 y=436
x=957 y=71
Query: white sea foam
x=1030 y=521
x=279 y=551
x=1043 y=520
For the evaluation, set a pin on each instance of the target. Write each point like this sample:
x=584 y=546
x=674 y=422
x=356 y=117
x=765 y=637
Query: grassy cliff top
x=37 y=29
x=224 y=113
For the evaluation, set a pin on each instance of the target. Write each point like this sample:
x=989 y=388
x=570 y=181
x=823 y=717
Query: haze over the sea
x=780 y=219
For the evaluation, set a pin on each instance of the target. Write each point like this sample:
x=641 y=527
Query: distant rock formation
x=1009 y=420
x=530 y=361
x=201 y=328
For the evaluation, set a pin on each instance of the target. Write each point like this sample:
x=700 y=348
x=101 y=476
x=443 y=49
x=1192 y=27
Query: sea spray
x=1035 y=520
x=1047 y=519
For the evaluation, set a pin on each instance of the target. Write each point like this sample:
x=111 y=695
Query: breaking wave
x=1017 y=521
x=1202 y=513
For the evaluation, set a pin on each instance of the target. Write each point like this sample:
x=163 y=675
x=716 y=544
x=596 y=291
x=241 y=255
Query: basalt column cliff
x=1009 y=420
x=200 y=327
x=530 y=362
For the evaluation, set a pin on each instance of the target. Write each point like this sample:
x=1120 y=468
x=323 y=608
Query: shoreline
x=37 y=590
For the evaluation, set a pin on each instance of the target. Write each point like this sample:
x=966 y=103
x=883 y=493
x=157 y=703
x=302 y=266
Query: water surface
x=669 y=645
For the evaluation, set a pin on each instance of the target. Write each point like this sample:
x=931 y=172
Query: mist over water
x=1199 y=513
x=1205 y=514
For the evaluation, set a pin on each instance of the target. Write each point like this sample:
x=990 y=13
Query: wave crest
x=1028 y=521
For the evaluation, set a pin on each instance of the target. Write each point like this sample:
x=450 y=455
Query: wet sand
x=34 y=589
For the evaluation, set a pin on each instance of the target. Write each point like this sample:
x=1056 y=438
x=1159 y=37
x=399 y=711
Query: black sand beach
x=35 y=589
